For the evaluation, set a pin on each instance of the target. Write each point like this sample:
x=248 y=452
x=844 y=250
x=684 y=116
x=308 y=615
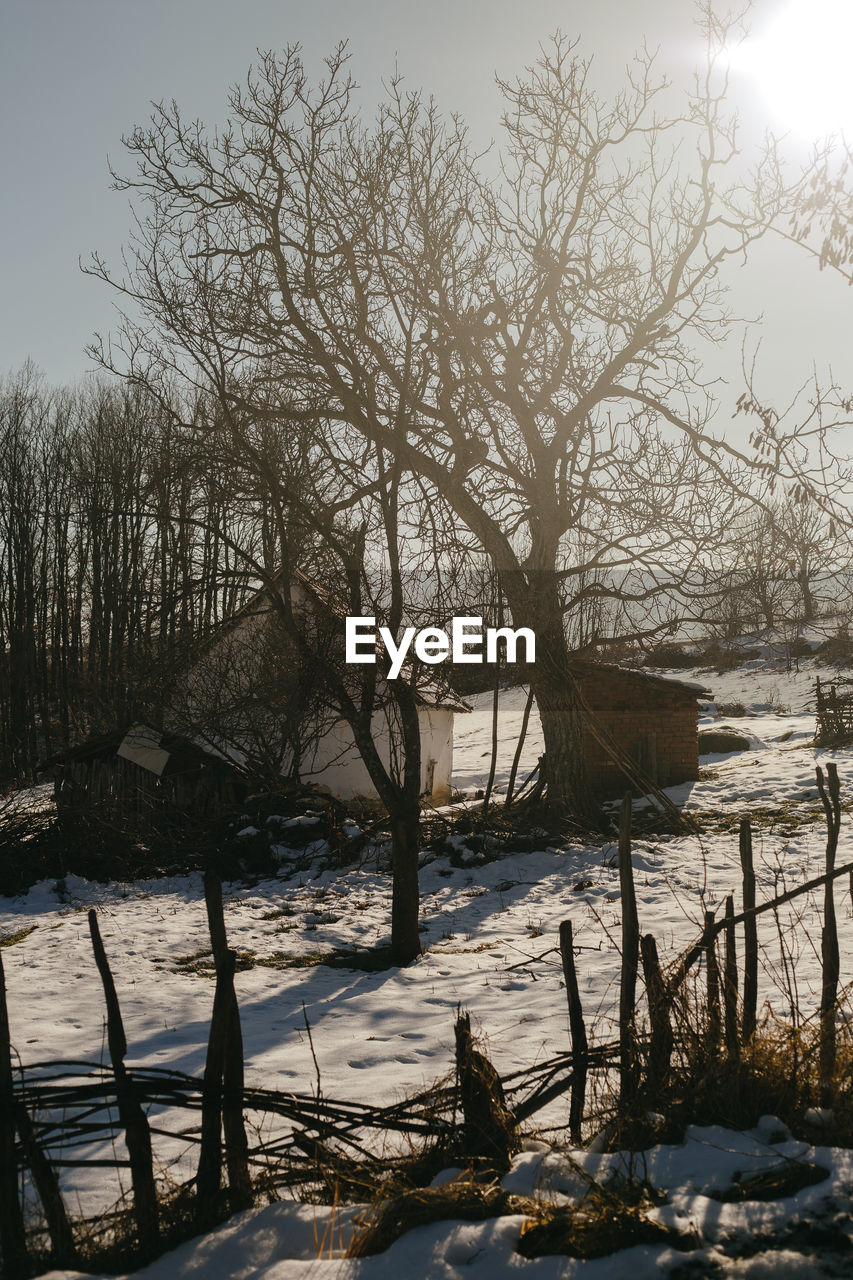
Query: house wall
x=337 y=766
x=657 y=726
x=436 y=744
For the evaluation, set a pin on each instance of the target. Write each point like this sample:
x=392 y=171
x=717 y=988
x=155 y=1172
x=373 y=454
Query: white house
x=244 y=696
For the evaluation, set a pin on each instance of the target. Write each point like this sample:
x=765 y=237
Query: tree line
x=110 y=559
x=123 y=543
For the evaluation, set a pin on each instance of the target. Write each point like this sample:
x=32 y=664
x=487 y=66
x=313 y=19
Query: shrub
x=733 y=709
x=672 y=655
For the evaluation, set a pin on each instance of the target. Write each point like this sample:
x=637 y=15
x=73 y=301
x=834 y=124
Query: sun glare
x=802 y=63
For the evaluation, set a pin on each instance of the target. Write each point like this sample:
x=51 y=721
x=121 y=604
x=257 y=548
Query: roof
x=430 y=690
x=160 y=752
x=688 y=687
x=432 y=693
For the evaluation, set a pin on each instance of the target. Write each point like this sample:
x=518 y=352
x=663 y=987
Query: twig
x=313 y=1054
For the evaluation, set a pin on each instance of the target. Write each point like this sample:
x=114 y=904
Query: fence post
x=47 y=1185
x=580 y=1045
x=829 y=935
x=223 y=1075
x=750 y=936
x=208 y=1175
x=713 y=976
x=215 y=915
x=489 y=1127
x=730 y=983
x=630 y=948
x=137 y=1133
x=660 y=1049
x=12 y=1235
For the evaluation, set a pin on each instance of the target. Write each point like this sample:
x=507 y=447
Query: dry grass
x=776 y=1074
x=783 y=819
x=9 y=939
x=597 y=1227
x=367 y=960
x=606 y=1219
x=109 y=1243
x=463 y=1199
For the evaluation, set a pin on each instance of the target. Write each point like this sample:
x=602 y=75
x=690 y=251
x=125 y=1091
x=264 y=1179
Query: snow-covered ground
x=489 y=932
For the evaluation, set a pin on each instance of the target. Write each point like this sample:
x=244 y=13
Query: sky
x=77 y=74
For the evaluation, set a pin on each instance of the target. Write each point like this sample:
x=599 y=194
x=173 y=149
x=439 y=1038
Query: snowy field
x=489 y=933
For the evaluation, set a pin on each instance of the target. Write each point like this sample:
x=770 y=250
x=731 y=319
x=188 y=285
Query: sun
x=802 y=64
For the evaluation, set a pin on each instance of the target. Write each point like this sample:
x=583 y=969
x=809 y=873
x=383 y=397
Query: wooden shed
x=651 y=717
x=142 y=770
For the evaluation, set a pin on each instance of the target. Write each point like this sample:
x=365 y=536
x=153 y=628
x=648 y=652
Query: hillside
x=490 y=918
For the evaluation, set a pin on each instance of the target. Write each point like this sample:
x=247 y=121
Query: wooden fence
x=67 y=1108
x=111 y=784
x=731 y=1022
x=834 y=709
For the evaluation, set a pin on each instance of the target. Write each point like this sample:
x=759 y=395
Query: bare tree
x=512 y=330
x=809 y=539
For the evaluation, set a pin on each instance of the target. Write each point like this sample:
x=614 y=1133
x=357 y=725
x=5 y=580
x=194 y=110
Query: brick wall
x=656 y=725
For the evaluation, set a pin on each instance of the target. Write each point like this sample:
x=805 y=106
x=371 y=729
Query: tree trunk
x=401 y=797
x=804 y=583
x=534 y=600
x=562 y=729
x=405 y=939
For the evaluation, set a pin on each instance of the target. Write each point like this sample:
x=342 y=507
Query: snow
x=293 y=1241
x=489 y=931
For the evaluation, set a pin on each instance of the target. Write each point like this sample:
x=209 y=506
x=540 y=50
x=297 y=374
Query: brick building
x=651 y=717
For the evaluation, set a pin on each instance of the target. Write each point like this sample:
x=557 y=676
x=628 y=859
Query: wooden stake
x=215 y=916
x=525 y=719
x=630 y=948
x=47 y=1184
x=496 y=693
x=730 y=982
x=209 y=1173
x=829 y=936
x=750 y=936
x=223 y=1090
x=713 y=975
x=133 y=1118
x=660 y=1049
x=580 y=1045
x=233 y=1125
